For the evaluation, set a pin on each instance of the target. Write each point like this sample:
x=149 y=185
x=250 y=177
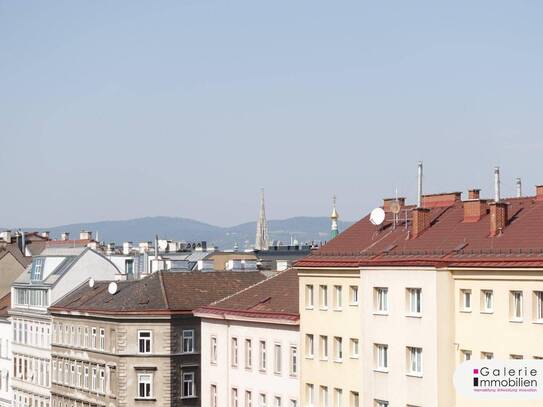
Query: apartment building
x=436 y=284
x=135 y=342
x=250 y=346
x=5 y=352
x=51 y=275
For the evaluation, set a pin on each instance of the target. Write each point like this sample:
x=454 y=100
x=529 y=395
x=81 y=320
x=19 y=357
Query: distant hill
x=303 y=229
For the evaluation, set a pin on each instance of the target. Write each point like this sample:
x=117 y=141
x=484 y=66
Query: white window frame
x=213 y=350
x=323 y=296
x=309 y=346
x=147 y=341
x=338 y=297
x=293 y=357
x=102 y=339
x=538 y=304
x=262 y=355
x=234 y=344
x=381 y=357
x=323 y=347
x=465 y=300
x=248 y=353
x=188 y=341
x=381 y=300
x=277 y=358
x=414 y=361
x=517 y=305
x=338 y=349
x=147 y=380
x=309 y=296
x=415 y=301
x=354 y=292
x=189 y=378
x=487 y=301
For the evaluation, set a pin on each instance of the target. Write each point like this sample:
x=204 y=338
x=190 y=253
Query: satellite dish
x=377 y=216
x=91 y=283
x=112 y=288
x=395 y=207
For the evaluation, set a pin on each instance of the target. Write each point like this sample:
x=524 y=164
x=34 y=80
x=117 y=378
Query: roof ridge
x=163 y=289
x=251 y=286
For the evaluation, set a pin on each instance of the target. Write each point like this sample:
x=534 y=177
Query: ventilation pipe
x=419 y=185
x=519 y=188
x=496 y=184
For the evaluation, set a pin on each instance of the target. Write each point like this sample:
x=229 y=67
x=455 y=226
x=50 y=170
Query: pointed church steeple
x=262 y=242
x=334 y=217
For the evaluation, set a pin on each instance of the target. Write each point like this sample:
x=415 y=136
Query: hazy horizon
x=121 y=110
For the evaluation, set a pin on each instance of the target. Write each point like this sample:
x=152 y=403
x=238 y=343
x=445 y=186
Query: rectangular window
x=102 y=339
x=188 y=341
x=354 y=348
x=381 y=403
x=262 y=400
x=338 y=348
x=516 y=305
x=94 y=379
x=338 y=397
x=309 y=346
x=323 y=289
x=414 y=356
x=310 y=394
x=309 y=296
x=248 y=399
x=324 y=396
x=487 y=355
x=102 y=386
x=381 y=299
x=213 y=350
x=338 y=297
x=277 y=401
x=538 y=295
x=262 y=354
x=145 y=386
x=85 y=376
x=465 y=355
x=213 y=395
x=516 y=357
x=381 y=356
x=465 y=300
x=93 y=342
x=36 y=272
x=248 y=354
x=277 y=358
x=293 y=360
x=188 y=384
x=487 y=301
x=234 y=352
x=144 y=341
x=355 y=399
x=353 y=294
x=78 y=384
x=235 y=397
x=72 y=374
x=415 y=300
x=323 y=347
x=86 y=337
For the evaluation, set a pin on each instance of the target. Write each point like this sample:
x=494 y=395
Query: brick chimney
x=474 y=210
x=498 y=218
x=387 y=202
x=474 y=193
x=539 y=192
x=441 y=200
x=420 y=221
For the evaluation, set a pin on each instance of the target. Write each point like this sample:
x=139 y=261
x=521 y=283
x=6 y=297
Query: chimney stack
x=474 y=193
x=519 y=188
x=387 y=203
x=85 y=235
x=539 y=192
x=498 y=218
x=65 y=236
x=420 y=221
x=45 y=234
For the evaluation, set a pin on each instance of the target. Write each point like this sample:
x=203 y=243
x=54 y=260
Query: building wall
x=345 y=323
x=221 y=373
x=5 y=363
x=10 y=270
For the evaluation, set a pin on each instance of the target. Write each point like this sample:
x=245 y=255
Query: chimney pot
x=474 y=193
x=85 y=235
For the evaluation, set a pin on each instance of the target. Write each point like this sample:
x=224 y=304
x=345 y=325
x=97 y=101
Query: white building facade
x=52 y=274
x=5 y=362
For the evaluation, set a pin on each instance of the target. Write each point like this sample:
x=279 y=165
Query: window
x=86 y=337
x=414 y=356
x=78 y=383
x=262 y=400
x=145 y=386
x=93 y=379
x=31 y=297
x=277 y=401
x=79 y=337
x=248 y=399
x=381 y=299
x=72 y=375
x=338 y=297
x=234 y=352
x=310 y=394
x=293 y=403
x=487 y=355
x=338 y=348
x=277 y=358
x=309 y=299
x=465 y=300
x=144 y=341
x=309 y=346
x=353 y=294
x=293 y=360
x=248 y=354
x=93 y=342
x=538 y=305
x=323 y=346
x=354 y=348
x=516 y=357
x=381 y=356
x=129 y=267
x=355 y=399
x=465 y=355
x=234 y=397
x=323 y=289
x=487 y=301
x=381 y=403
x=85 y=376
x=66 y=373
x=415 y=300
x=102 y=387
x=102 y=339
x=213 y=350
x=36 y=272
x=324 y=396
x=188 y=384
x=516 y=305
x=338 y=397
x=213 y=395
x=188 y=341
x=262 y=358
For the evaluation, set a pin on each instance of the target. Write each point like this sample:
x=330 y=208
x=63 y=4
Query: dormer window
x=36 y=273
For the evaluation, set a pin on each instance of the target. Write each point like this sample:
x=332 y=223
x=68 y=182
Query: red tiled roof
x=5 y=303
x=448 y=241
x=274 y=298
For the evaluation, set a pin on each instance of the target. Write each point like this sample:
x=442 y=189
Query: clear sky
x=114 y=110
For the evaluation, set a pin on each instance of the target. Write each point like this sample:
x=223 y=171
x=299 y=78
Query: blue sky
x=114 y=110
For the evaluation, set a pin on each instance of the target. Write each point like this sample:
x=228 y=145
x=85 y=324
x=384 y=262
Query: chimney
x=474 y=193
x=496 y=184
x=85 y=235
x=539 y=192
x=474 y=210
x=519 y=188
x=65 y=236
x=441 y=200
x=45 y=234
x=420 y=221
x=419 y=185
x=387 y=203
x=498 y=218
x=127 y=247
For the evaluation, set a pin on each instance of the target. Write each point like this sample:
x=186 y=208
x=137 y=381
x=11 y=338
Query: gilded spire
x=261 y=242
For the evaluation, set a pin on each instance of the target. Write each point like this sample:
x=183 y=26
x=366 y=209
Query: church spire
x=334 y=217
x=261 y=242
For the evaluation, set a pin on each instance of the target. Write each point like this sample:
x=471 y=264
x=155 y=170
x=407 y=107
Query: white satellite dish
x=91 y=283
x=377 y=216
x=112 y=287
